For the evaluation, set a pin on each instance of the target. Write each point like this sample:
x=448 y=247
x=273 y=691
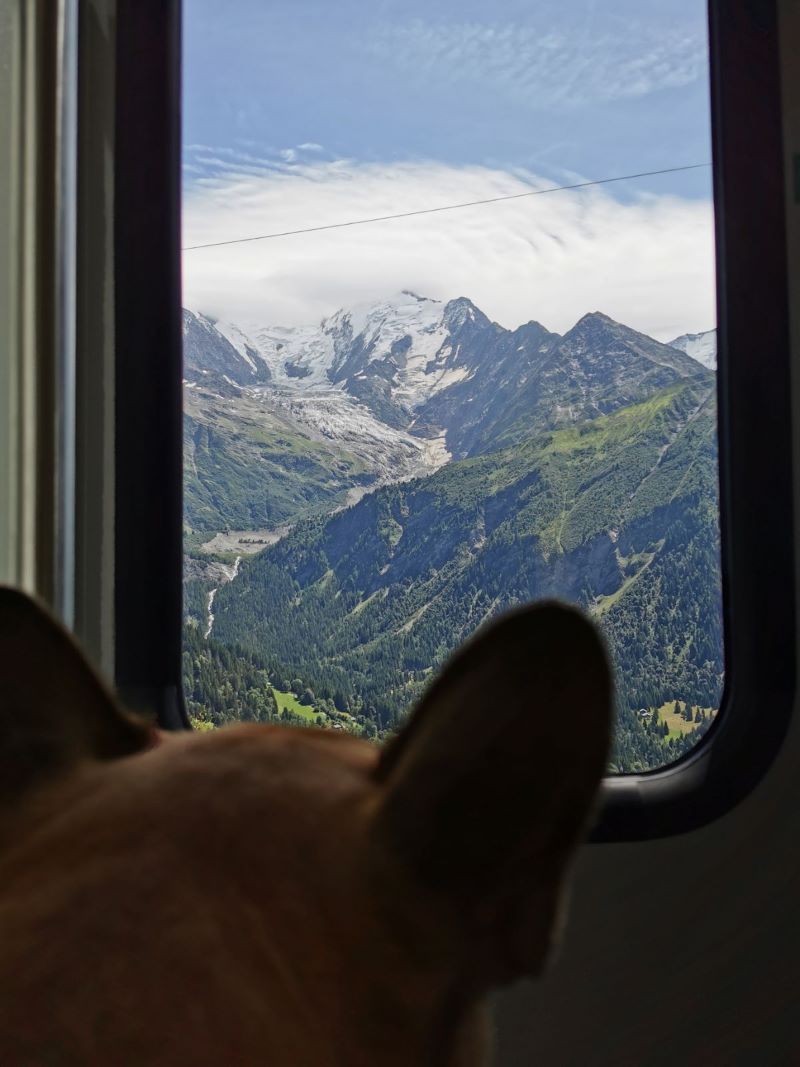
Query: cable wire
x=446 y=207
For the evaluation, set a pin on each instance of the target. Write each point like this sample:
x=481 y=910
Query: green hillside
x=618 y=514
x=248 y=468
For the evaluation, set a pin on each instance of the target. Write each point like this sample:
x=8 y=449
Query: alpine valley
x=361 y=495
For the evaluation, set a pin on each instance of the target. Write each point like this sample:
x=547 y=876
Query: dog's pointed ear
x=54 y=709
x=489 y=788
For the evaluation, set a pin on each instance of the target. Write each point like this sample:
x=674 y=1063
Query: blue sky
x=350 y=106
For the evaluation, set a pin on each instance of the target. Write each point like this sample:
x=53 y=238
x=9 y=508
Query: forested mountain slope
x=616 y=512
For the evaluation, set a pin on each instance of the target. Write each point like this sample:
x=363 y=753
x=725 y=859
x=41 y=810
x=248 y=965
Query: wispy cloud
x=548 y=68
x=647 y=262
x=207 y=160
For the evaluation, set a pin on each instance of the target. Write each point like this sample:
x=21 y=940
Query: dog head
x=294 y=897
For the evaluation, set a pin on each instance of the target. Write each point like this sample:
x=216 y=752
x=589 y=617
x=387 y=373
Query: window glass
x=449 y=347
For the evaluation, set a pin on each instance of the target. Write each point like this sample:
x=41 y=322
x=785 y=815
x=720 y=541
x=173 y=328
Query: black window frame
x=755 y=432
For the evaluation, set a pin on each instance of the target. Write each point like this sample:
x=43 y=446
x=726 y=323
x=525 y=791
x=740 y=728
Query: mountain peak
x=595 y=329
x=461 y=311
x=207 y=349
x=594 y=319
x=616 y=352
x=700 y=346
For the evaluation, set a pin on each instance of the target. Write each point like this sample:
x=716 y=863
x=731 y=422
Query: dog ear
x=490 y=786
x=54 y=709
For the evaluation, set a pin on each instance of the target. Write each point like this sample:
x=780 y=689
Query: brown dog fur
x=263 y=895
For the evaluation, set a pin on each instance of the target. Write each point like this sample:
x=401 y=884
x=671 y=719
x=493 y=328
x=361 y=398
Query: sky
x=300 y=113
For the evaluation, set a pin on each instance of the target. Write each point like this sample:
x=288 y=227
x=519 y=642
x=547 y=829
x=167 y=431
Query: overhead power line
x=445 y=207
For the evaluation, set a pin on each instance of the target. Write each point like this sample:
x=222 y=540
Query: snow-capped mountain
x=435 y=370
x=412 y=341
x=207 y=351
x=700 y=346
x=407 y=341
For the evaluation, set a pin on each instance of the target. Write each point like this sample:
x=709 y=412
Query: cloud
x=647 y=261
x=207 y=160
x=545 y=67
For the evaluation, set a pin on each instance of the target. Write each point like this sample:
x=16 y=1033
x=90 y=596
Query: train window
x=447 y=339
x=9 y=161
x=447 y=349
